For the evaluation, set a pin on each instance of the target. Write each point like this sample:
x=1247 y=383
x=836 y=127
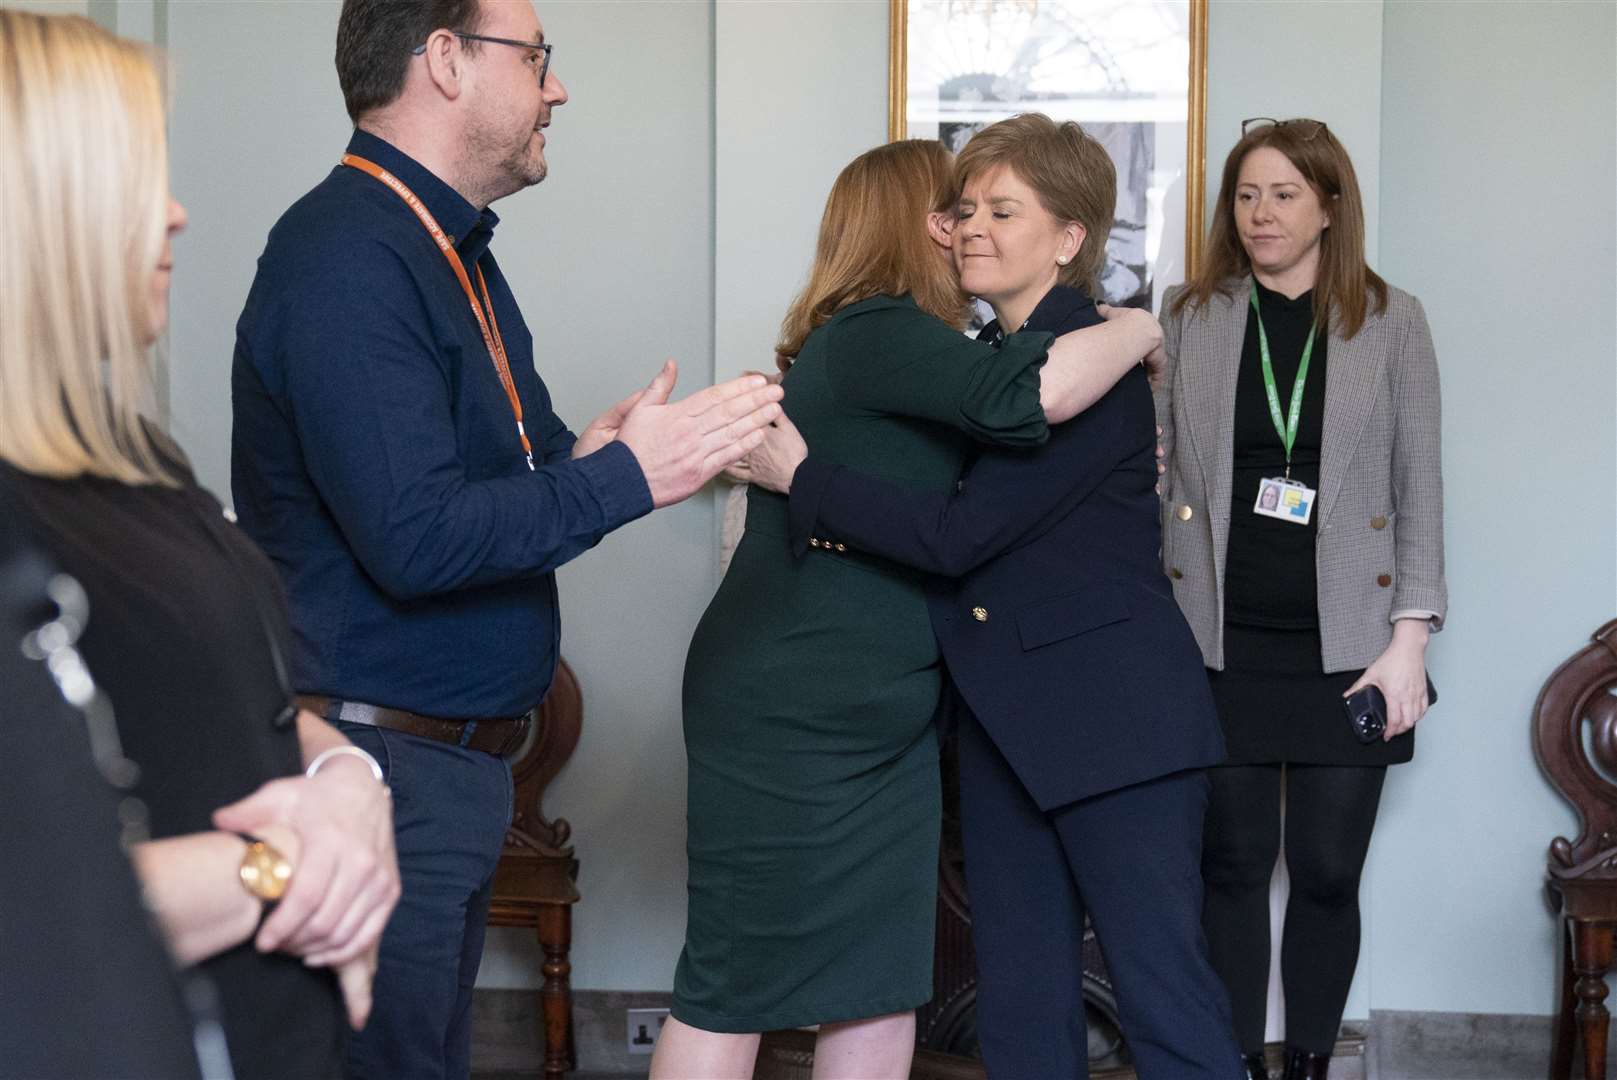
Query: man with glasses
x=396 y=455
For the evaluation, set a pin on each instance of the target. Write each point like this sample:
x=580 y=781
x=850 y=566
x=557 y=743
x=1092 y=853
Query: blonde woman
x=812 y=680
x=186 y=632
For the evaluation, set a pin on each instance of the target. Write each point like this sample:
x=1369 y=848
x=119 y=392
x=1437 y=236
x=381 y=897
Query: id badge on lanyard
x=1286 y=500
x=1281 y=497
x=485 y=323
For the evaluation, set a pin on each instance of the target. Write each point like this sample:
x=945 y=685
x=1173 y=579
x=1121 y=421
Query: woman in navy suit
x=1085 y=718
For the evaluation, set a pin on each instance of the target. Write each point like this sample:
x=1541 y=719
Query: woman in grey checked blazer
x=1303 y=533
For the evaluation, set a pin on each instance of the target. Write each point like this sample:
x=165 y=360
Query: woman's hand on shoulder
x=1400 y=672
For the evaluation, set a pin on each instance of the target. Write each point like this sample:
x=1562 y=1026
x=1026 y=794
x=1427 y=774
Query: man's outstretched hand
x=682 y=445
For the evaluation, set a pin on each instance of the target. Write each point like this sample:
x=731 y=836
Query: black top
x=87 y=987
x=1270 y=576
x=185 y=629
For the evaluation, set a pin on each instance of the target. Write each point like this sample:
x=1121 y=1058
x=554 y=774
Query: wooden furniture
x=533 y=885
x=1575 y=740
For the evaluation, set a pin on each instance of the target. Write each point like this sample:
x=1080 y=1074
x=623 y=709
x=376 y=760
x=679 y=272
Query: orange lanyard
x=487 y=324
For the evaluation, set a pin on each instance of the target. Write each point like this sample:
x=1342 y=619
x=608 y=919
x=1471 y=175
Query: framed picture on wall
x=1132 y=72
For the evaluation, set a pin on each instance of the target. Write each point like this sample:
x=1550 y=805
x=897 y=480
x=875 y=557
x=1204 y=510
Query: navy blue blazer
x=1049 y=602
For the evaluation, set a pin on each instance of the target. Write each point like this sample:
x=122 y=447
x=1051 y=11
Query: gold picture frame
x=1195 y=93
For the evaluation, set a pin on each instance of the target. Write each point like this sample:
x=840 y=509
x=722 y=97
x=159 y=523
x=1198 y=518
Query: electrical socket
x=643 y=1026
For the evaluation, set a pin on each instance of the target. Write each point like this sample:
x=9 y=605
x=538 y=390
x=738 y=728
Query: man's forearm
x=486 y=532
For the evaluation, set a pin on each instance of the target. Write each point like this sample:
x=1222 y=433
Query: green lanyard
x=1287 y=428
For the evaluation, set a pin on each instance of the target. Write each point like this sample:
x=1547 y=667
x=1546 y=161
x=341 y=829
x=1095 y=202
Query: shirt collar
x=1050 y=314
x=469 y=229
x=1057 y=308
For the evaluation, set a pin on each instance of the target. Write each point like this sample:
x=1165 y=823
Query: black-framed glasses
x=1304 y=129
x=542 y=47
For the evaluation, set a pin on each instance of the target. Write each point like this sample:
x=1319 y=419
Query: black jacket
x=88 y=988
x=1050 y=605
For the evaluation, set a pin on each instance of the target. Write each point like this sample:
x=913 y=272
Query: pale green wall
x=1497 y=161
x=799 y=91
x=251 y=128
x=615 y=256
x=1285 y=58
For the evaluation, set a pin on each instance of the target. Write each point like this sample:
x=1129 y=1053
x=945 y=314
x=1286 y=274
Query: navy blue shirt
x=375 y=458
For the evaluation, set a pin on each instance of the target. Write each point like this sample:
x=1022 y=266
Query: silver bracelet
x=326 y=755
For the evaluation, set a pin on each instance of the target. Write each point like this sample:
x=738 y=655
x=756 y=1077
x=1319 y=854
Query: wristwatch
x=265 y=872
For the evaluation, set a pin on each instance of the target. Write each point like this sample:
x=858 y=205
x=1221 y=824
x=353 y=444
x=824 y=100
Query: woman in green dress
x=811 y=682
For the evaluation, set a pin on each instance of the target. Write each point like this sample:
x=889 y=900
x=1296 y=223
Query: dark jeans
x=1330 y=813
x=450 y=811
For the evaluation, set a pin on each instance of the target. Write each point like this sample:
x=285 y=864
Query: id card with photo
x=1287 y=500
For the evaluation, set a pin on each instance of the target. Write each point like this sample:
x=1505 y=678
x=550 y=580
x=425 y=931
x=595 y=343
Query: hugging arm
x=1084 y=364
x=1162 y=394
x=1005 y=499
x=901 y=361
x=897 y=360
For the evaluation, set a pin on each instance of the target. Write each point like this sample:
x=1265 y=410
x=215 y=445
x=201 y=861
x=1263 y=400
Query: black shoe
x=1301 y=1065
x=1256 y=1067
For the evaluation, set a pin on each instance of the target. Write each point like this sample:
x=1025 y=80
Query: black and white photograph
x=1119 y=68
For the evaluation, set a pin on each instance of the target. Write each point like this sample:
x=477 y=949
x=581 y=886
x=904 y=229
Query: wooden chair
x=533 y=885
x=1575 y=740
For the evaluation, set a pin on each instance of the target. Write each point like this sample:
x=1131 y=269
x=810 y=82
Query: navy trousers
x=1131 y=860
x=451 y=808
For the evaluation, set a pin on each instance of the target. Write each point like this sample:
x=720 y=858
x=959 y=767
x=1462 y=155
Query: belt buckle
x=515 y=735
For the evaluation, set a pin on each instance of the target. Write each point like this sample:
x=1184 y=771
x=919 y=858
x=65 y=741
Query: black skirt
x=1277 y=704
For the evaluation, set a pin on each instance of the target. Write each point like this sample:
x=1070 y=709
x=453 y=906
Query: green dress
x=810 y=689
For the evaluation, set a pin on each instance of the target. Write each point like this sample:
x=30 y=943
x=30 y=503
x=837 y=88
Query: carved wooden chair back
x=1575 y=741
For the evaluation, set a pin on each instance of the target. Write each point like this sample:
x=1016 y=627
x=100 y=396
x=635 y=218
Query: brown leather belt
x=500 y=735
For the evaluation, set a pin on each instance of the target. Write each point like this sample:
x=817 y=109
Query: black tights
x=1330 y=811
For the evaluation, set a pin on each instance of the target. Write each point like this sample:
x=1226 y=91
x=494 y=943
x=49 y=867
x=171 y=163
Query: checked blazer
x=1379 y=551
